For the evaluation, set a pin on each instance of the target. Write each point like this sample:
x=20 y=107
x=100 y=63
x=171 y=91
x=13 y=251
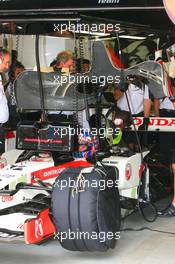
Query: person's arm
x=118 y=94
x=147 y=102
x=156 y=107
x=147 y=108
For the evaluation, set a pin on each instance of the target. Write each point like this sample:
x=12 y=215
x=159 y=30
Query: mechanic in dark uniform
x=15 y=69
x=5 y=59
x=166 y=108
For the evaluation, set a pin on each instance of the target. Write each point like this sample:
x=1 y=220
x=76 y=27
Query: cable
x=141 y=228
x=124 y=218
x=75 y=97
x=139 y=208
x=139 y=201
x=153 y=208
x=41 y=88
x=129 y=107
x=81 y=50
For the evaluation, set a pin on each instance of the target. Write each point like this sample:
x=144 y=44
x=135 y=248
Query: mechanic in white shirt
x=5 y=60
x=164 y=107
x=139 y=99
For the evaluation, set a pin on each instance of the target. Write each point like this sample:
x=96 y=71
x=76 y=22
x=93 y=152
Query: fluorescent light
x=101 y=34
x=131 y=37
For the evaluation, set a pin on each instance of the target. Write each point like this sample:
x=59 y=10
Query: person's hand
x=145 y=124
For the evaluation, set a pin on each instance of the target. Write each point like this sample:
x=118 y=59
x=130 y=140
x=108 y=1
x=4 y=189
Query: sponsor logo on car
x=53 y=173
x=156 y=121
x=6 y=198
x=39 y=228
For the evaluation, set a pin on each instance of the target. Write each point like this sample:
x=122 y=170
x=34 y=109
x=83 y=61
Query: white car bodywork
x=127 y=184
x=10 y=176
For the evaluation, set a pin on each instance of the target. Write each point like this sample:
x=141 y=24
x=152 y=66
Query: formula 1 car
x=26 y=190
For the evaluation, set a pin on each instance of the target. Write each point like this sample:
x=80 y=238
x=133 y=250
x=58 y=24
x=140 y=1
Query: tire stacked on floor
x=87 y=214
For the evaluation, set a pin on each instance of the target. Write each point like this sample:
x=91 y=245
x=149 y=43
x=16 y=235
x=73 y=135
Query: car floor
x=135 y=247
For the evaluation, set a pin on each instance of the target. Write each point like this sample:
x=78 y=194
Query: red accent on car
x=6 y=198
x=141 y=170
x=54 y=171
x=10 y=134
x=128 y=172
x=39 y=229
x=116 y=61
x=137 y=121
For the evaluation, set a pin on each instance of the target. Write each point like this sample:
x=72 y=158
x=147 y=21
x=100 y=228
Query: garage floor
x=133 y=247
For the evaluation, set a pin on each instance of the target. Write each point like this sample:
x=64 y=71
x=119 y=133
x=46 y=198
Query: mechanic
x=15 y=69
x=166 y=108
x=64 y=62
x=139 y=98
x=82 y=65
x=138 y=95
x=5 y=60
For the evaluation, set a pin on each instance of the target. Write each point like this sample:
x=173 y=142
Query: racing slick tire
x=87 y=217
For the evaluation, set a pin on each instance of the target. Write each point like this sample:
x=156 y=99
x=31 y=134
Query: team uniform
x=14 y=117
x=136 y=96
x=167 y=108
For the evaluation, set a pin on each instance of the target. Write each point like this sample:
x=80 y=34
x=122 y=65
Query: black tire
x=89 y=212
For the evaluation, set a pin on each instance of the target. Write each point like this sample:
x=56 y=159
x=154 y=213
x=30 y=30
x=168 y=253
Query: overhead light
x=100 y=39
x=132 y=37
x=101 y=34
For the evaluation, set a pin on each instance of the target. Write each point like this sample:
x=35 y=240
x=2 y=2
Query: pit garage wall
x=25 y=46
x=133 y=51
x=49 y=48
